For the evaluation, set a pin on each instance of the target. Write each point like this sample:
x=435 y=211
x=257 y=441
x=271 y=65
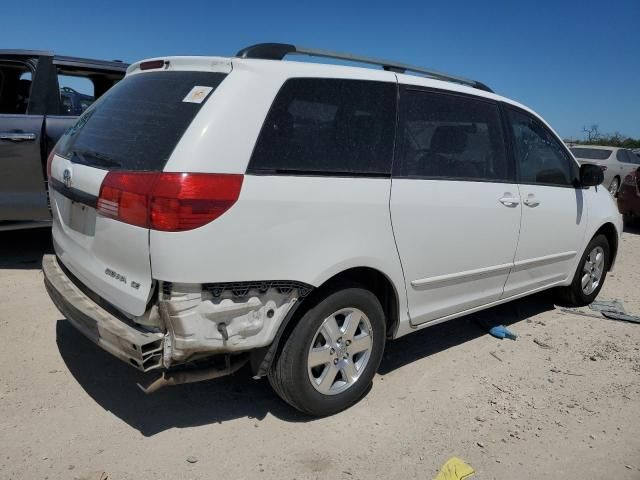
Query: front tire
x=590 y=275
x=328 y=362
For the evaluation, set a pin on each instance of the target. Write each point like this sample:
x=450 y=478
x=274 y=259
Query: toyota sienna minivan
x=211 y=212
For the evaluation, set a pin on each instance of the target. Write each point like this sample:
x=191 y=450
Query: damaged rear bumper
x=135 y=346
x=186 y=324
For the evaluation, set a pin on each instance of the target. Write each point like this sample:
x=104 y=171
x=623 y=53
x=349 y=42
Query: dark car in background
x=629 y=196
x=41 y=95
x=73 y=102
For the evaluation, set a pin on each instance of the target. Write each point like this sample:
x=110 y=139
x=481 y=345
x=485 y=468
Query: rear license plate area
x=82 y=218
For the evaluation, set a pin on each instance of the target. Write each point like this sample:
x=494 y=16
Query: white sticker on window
x=197 y=94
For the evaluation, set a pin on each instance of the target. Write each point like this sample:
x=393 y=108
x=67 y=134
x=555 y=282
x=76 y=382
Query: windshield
x=137 y=124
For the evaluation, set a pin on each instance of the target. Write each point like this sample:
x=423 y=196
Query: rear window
x=591 y=153
x=137 y=124
x=328 y=126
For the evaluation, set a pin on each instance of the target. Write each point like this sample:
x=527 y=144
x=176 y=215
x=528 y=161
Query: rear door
x=554 y=214
x=455 y=206
x=133 y=128
x=22 y=184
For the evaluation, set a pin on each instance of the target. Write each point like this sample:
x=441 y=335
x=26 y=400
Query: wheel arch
x=611 y=234
x=366 y=277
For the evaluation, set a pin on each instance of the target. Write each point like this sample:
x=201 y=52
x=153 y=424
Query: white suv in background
x=210 y=212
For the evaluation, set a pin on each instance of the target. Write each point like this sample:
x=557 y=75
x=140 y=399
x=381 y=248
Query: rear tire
x=590 y=275
x=328 y=362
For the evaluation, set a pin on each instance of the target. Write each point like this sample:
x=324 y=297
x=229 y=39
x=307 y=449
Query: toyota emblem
x=66 y=177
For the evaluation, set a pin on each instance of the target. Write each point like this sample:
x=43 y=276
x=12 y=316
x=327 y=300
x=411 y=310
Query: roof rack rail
x=277 y=51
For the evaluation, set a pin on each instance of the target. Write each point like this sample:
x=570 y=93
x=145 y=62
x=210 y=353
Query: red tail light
x=170 y=202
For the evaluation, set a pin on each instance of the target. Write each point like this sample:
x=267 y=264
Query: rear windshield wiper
x=102 y=159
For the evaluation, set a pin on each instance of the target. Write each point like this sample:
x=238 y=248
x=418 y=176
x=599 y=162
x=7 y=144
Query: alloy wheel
x=340 y=351
x=592 y=270
x=613 y=188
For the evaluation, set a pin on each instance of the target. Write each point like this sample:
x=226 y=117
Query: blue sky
x=574 y=62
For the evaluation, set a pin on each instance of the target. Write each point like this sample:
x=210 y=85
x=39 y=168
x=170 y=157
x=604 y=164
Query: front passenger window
x=540 y=157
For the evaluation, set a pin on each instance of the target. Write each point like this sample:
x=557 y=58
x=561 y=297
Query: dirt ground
x=562 y=401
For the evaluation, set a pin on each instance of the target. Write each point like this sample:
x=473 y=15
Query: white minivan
x=211 y=212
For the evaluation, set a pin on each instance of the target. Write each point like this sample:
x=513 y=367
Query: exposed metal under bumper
x=167 y=379
x=141 y=349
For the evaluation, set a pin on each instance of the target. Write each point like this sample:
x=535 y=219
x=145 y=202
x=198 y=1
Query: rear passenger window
x=15 y=88
x=328 y=126
x=449 y=136
x=541 y=158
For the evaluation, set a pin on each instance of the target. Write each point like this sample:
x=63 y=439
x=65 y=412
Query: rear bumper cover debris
x=135 y=346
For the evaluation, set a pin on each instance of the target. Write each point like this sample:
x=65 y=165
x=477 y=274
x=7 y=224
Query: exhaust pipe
x=167 y=379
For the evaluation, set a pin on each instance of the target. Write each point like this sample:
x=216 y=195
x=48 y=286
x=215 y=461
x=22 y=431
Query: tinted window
x=590 y=153
x=447 y=136
x=137 y=124
x=541 y=158
x=633 y=157
x=15 y=88
x=627 y=156
x=328 y=126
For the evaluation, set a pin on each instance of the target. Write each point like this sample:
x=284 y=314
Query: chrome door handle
x=17 y=137
x=531 y=201
x=509 y=200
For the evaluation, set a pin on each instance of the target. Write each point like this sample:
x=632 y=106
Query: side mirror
x=591 y=175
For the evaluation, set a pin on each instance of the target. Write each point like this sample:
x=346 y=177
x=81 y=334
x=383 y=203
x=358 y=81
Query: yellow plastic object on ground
x=454 y=469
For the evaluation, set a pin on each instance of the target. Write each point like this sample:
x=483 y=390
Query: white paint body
x=447 y=247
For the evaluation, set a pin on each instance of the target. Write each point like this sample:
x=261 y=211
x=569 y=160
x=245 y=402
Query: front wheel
x=592 y=271
x=329 y=360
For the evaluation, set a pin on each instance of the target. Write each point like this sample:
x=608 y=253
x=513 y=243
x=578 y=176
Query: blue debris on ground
x=500 y=331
